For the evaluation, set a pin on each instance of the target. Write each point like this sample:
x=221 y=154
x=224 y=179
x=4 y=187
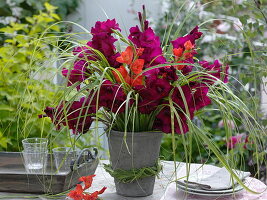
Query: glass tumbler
x=35 y=162
x=63 y=157
x=35 y=144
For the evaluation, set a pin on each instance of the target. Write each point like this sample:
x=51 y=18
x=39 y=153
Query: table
x=163 y=185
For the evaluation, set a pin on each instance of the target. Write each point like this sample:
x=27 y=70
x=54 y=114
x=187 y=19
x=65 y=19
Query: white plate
x=217 y=192
x=184 y=187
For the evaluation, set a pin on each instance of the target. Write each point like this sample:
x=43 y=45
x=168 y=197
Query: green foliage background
x=22 y=94
x=32 y=7
x=26 y=58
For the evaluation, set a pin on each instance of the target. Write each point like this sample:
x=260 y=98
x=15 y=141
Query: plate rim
x=210 y=194
x=182 y=187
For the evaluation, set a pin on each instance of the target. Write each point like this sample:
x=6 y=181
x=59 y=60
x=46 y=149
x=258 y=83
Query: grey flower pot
x=143 y=151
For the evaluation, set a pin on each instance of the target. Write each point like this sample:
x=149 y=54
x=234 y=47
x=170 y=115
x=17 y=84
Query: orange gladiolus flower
x=126 y=56
x=132 y=81
x=179 y=67
x=188 y=45
x=87 y=181
x=137 y=81
x=77 y=194
x=137 y=66
x=178 y=52
x=188 y=55
x=123 y=73
x=181 y=54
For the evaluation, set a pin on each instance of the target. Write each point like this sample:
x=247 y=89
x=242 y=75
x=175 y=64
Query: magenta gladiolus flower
x=55 y=114
x=180 y=44
x=188 y=68
x=149 y=99
x=82 y=51
x=200 y=98
x=168 y=73
x=77 y=115
x=112 y=97
x=105 y=27
x=191 y=97
x=151 y=95
x=217 y=70
x=160 y=87
x=80 y=115
x=103 y=40
x=78 y=74
x=150 y=42
x=183 y=97
x=163 y=122
x=192 y=37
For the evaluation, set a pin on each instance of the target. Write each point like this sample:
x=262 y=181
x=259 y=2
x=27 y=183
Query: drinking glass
x=35 y=162
x=63 y=157
x=35 y=144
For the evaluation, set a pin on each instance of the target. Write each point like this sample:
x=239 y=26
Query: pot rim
x=130 y=134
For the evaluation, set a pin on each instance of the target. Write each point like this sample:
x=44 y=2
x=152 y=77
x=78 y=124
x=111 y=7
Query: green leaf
x=6 y=107
x=30 y=20
x=7 y=30
x=55 y=16
x=49 y=7
x=3 y=140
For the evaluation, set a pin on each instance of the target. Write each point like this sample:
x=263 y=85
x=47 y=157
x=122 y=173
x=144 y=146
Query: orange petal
x=137 y=66
x=188 y=45
x=139 y=51
x=79 y=188
x=178 y=52
x=126 y=56
x=188 y=55
x=179 y=67
x=123 y=73
x=137 y=81
x=120 y=59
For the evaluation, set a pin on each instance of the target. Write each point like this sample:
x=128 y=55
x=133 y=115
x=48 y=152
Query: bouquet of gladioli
x=143 y=87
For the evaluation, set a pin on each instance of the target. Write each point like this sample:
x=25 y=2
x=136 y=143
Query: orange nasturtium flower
x=135 y=67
